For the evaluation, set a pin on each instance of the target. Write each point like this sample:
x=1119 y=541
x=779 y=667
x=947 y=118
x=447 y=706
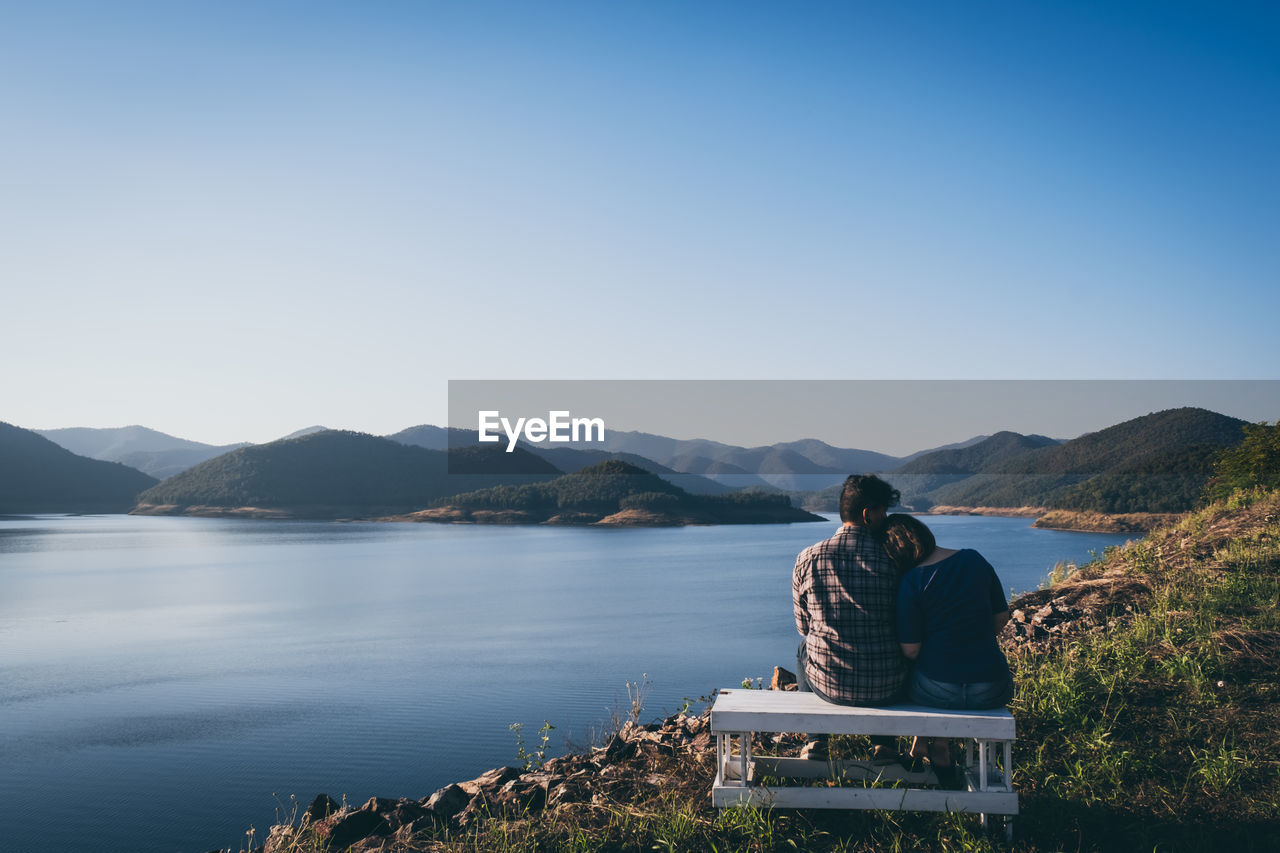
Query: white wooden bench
x=740 y=714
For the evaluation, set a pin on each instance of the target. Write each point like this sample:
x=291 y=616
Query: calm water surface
x=165 y=681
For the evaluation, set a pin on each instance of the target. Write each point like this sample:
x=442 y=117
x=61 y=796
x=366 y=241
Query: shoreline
x=1001 y=511
x=455 y=515
x=1085 y=521
x=1098 y=522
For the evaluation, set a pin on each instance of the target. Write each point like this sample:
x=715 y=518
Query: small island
x=610 y=493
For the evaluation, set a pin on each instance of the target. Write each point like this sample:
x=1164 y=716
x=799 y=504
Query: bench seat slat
x=789 y=711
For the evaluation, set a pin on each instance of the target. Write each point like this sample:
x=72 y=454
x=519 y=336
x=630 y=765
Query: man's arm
x=1000 y=620
x=800 y=595
x=911 y=651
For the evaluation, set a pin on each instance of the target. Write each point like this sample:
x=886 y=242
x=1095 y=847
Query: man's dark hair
x=865 y=491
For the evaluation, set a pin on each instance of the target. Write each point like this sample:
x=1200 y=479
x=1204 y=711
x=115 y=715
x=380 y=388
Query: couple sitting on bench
x=888 y=617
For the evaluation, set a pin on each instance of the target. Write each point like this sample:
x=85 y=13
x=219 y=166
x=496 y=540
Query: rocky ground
x=676 y=755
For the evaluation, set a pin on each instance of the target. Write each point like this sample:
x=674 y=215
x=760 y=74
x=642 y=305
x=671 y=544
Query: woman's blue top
x=948 y=607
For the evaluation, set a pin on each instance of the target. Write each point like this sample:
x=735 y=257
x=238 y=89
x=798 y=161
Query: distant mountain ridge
x=1155 y=463
x=39 y=476
x=700 y=465
x=803 y=465
x=150 y=451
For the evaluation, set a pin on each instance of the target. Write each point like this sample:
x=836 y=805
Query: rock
x=379 y=804
x=404 y=812
x=618 y=749
x=490 y=781
x=521 y=795
x=693 y=724
x=782 y=679
x=321 y=807
x=571 y=791
x=447 y=802
x=475 y=810
x=346 y=828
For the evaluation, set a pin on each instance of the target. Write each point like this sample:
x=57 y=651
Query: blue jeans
x=973 y=696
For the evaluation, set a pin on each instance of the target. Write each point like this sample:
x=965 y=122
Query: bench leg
x=724 y=754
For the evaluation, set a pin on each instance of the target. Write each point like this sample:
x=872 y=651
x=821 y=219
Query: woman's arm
x=911 y=651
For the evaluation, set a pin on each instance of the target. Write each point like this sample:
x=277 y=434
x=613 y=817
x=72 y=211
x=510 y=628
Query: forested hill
x=1155 y=463
x=612 y=492
x=37 y=475
x=924 y=474
x=992 y=450
x=339 y=473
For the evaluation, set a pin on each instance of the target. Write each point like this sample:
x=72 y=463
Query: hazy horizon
x=895 y=418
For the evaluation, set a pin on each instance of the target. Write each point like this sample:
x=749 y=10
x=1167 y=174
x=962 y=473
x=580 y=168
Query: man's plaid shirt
x=845 y=591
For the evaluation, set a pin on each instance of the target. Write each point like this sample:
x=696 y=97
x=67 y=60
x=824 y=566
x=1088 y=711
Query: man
x=844 y=591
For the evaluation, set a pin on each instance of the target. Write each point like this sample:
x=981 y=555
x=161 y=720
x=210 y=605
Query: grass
x=1160 y=731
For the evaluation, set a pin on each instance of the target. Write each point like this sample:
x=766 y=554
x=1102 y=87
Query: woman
x=950 y=609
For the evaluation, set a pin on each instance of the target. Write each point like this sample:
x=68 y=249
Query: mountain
x=565 y=458
x=299 y=433
x=977 y=457
x=434 y=437
x=37 y=475
x=839 y=458
x=925 y=474
x=733 y=476
x=1169 y=482
x=1177 y=442
x=956 y=446
x=150 y=451
x=781 y=466
x=928 y=471
x=335 y=474
x=571 y=460
x=611 y=492
x=798 y=465
x=659 y=448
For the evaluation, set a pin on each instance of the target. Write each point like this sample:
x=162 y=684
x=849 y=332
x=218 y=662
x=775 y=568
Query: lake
x=165 y=683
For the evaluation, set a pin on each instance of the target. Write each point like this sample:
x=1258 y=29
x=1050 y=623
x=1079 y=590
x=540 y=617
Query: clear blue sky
x=231 y=220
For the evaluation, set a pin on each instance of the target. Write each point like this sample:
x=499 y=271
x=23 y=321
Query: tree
x=1253 y=462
